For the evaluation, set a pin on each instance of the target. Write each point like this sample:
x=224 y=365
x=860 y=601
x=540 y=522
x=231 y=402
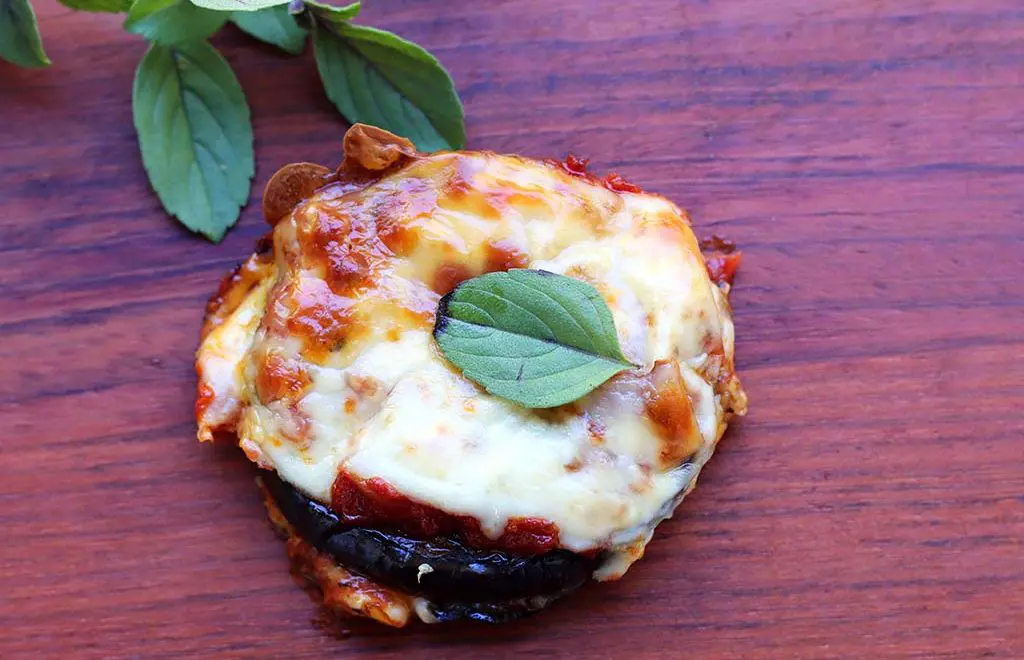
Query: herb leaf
x=532 y=337
x=273 y=25
x=20 y=42
x=172 y=22
x=376 y=77
x=333 y=14
x=111 y=6
x=238 y=5
x=195 y=135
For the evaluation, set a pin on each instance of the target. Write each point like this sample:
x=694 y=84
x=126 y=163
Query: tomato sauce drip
x=615 y=182
x=574 y=165
x=578 y=167
x=376 y=503
x=721 y=258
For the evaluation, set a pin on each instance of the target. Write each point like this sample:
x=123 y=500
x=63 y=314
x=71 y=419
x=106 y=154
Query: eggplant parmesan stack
x=404 y=488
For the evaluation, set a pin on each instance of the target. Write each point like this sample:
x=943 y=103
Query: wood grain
x=867 y=155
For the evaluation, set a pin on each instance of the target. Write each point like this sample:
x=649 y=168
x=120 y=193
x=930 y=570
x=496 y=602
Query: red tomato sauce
x=722 y=259
x=376 y=503
x=578 y=167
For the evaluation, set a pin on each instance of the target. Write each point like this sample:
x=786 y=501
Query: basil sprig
x=376 y=77
x=191 y=115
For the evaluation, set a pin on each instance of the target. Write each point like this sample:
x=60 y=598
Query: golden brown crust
x=668 y=407
x=342 y=592
x=233 y=289
x=279 y=377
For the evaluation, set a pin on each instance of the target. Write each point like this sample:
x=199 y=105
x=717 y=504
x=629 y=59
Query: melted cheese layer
x=342 y=374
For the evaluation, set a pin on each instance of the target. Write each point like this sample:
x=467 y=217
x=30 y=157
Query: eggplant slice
x=459 y=582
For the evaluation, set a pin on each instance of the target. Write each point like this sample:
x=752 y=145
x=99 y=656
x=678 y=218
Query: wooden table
x=869 y=158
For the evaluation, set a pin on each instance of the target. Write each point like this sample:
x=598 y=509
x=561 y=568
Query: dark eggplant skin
x=461 y=582
x=503 y=612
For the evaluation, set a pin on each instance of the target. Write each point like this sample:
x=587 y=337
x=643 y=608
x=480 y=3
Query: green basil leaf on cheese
x=195 y=135
x=532 y=337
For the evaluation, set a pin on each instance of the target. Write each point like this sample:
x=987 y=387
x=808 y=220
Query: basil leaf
x=238 y=5
x=20 y=42
x=172 y=22
x=195 y=135
x=332 y=13
x=111 y=6
x=376 y=77
x=530 y=336
x=274 y=25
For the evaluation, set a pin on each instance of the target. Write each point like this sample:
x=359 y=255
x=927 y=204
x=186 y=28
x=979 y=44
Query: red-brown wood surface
x=867 y=155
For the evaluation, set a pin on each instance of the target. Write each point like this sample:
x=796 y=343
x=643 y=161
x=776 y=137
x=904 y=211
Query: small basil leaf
x=172 y=22
x=195 y=135
x=532 y=337
x=332 y=13
x=111 y=6
x=273 y=25
x=20 y=42
x=379 y=78
x=238 y=5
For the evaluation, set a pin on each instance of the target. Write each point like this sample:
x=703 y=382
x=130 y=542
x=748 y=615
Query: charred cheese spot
x=397 y=215
x=667 y=405
x=319 y=317
x=504 y=255
x=347 y=249
x=280 y=378
x=449 y=276
x=399 y=237
x=461 y=191
x=365 y=387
